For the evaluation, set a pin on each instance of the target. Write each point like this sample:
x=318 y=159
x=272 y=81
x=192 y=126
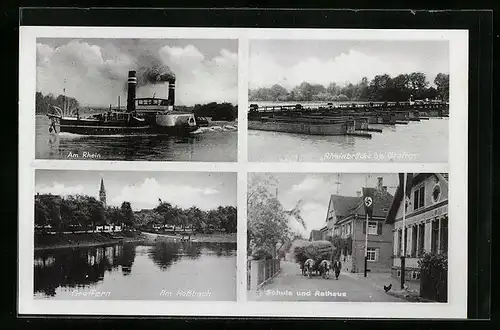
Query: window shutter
x=377 y=253
x=379 y=228
x=364 y=227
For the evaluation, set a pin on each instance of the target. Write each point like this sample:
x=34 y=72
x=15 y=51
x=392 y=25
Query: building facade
x=346 y=222
x=426 y=221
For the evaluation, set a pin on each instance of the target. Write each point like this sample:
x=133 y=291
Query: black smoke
x=151 y=70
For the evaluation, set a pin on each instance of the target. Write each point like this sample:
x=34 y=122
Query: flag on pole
x=368 y=201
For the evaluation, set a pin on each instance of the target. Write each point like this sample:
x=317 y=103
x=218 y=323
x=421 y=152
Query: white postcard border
x=457 y=167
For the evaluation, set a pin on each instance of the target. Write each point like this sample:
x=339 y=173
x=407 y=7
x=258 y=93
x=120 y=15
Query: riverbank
x=198 y=237
x=215 y=238
x=65 y=241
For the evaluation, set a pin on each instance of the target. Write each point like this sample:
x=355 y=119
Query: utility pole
x=368 y=203
x=338 y=183
x=403 y=255
x=366 y=245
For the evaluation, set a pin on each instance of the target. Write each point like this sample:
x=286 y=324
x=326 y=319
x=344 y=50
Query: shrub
x=434 y=276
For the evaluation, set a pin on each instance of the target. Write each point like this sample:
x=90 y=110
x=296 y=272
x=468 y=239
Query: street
x=291 y=285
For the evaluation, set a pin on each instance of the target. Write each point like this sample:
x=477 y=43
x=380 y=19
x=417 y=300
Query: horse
x=324 y=267
x=308 y=267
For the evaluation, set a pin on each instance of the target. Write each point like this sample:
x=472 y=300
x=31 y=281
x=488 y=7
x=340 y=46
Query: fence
x=260 y=271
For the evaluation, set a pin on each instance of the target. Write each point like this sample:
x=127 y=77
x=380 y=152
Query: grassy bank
x=201 y=237
x=216 y=238
x=61 y=241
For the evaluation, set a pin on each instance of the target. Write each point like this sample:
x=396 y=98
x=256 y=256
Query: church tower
x=102 y=193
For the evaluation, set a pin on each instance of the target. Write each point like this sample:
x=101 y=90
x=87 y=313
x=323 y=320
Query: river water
x=162 y=271
x=213 y=144
x=424 y=141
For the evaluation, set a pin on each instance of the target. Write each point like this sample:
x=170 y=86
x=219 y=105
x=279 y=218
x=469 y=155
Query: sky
x=315 y=189
x=94 y=71
x=143 y=189
x=290 y=62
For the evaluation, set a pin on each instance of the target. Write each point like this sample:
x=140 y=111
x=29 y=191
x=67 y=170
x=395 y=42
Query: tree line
x=380 y=88
x=43 y=102
x=80 y=212
x=216 y=111
x=223 y=218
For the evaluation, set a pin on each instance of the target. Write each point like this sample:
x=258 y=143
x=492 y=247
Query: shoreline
x=200 y=238
x=89 y=244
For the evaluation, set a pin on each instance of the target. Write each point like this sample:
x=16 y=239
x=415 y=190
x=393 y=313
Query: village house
x=426 y=221
x=346 y=219
x=316 y=235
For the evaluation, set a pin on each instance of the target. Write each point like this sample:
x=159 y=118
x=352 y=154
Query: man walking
x=337 y=266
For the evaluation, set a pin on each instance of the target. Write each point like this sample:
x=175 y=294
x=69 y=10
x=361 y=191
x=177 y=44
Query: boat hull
x=96 y=127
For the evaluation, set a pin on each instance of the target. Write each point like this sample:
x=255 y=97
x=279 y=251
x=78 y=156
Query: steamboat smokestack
x=132 y=82
x=171 y=92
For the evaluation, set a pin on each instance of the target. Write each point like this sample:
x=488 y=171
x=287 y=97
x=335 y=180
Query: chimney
x=358 y=193
x=384 y=188
x=171 y=92
x=132 y=82
x=380 y=182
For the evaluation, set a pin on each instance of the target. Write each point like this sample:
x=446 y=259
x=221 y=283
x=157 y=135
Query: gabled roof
x=348 y=205
x=416 y=178
x=343 y=204
x=382 y=201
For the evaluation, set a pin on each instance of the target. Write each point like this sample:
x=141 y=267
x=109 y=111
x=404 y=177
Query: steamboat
x=142 y=115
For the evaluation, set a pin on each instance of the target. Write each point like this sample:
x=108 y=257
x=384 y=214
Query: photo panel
x=347 y=237
x=136 y=99
x=118 y=235
x=348 y=100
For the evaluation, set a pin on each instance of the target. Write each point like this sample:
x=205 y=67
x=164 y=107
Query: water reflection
x=79 y=267
x=165 y=254
x=126 y=269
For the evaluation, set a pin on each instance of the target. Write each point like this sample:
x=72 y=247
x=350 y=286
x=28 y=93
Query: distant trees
x=381 y=88
x=81 y=212
x=442 y=82
x=43 y=102
x=72 y=213
x=217 y=111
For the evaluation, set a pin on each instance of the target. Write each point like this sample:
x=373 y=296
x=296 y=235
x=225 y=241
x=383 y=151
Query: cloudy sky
x=290 y=62
x=94 y=71
x=315 y=189
x=143 y=189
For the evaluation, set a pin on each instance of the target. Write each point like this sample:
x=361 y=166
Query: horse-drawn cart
x=317 y=251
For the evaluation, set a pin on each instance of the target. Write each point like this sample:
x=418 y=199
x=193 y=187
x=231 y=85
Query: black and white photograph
x=136 y=99
x=346 y=237
x=118 y=235
x=348 y=101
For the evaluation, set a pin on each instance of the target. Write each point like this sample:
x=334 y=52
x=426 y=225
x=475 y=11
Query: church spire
x=102 y=193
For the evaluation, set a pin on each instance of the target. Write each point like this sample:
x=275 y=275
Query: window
x=372 y=228
x=434 y=236
x=414 y=235
x=444 y=235
x=421 y=236
x=400 y=234
x=418 y=198
x=372 y=254
x=436 y=193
